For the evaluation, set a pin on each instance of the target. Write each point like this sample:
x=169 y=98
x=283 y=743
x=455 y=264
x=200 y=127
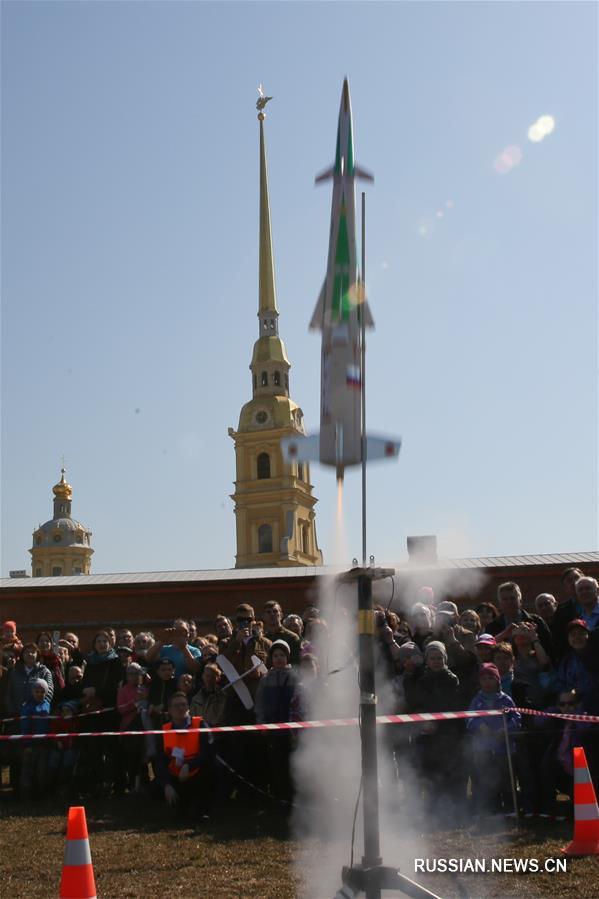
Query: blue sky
x=129 y=275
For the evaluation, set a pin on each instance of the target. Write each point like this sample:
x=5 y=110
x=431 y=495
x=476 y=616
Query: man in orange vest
x=178 y=765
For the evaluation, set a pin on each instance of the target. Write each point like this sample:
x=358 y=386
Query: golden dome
x=62 y=490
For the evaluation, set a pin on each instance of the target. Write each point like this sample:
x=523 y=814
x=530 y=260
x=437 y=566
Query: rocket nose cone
x=345 y=101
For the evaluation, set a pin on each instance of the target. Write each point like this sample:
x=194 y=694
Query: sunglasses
x=244 y=620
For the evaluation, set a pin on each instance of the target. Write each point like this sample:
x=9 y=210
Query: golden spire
x=62 y=490
x=266 y=289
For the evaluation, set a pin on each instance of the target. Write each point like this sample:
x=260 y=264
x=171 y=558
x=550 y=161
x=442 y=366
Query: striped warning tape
x=111 y=708
x=309 y=725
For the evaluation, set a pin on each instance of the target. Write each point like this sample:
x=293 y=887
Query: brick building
x=151 y=600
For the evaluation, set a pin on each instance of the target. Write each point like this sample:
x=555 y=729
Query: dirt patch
x=140 y=849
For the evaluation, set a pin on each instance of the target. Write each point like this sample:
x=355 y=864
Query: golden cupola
x=61 y=546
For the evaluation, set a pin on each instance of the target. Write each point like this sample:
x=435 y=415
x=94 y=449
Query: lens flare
x=507 y=159
x=546 y=123
x=539 y=130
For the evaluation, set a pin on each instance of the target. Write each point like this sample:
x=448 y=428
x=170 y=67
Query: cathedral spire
x=267 y=293
x=270 y=365
x=274 y=504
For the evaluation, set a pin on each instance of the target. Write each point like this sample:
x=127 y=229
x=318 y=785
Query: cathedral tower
x=62 y=545
x=274 y=505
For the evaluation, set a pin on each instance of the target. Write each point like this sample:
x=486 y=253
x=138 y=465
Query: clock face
x=261 y=417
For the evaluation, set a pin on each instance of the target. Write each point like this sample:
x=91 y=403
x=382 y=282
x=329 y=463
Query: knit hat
x=9 y=625
x=133 y=666
x=280 y=644
x=440 y=647
x=39 y=682
x=490 y=668
x=447 y=606
x=409 y=650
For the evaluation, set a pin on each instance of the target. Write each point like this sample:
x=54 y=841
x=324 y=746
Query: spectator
x=484 y=647
x=124 y=637
x=142 y=643
x=574 y=672
x=111 y=633
x=470 y=620
x=193 y=630
x=487 y=612
x=274 y=630
x=125 y=655
x=97 y=765
x=567 y=610
x=512 y=613
x=162 y=687
x=184 y=656
x=77 y=657
x=21 y=677
x=131 y=697
x=73 y=689
x=421 y=624
x=210 y=701
x=560 y=736
x=503 y=658
x=461 y=656
x=223 y=627
x=490 y=771
x=185 y=684
x=277 y=686
x=9 y=661
x=35 y=720
x=239 y=649
x=409 y=659
x=273 y=701
x=9 y=636
x=303 y=700
x=316 y=638
x=294 y=623
x=178 y=762
x=437 y=747
x=545 y=605
x=530 y=688
x=586 y=596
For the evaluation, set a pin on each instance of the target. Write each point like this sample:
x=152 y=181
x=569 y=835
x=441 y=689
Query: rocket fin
x=317 y=320
x=382 y=447
x=301 y=449
x=363 y=174
x=324 y=176
x=369 y=321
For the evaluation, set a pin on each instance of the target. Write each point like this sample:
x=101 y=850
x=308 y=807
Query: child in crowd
x=490 y=772
x=503 y=658
x=35 y=720
x=273 y=700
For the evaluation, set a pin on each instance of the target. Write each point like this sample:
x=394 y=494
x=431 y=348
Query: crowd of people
x=430 y=657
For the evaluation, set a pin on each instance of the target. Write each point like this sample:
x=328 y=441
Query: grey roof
x=249 y=574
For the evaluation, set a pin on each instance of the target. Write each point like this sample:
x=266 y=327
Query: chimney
x=423 y=550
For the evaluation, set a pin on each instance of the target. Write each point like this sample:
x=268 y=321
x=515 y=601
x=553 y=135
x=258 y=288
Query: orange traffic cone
x=77 y=880
x=586 y=811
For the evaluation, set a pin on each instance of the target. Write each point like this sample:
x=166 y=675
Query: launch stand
x=371 y=876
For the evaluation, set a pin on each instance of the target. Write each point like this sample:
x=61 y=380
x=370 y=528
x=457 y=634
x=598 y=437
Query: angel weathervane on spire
x=262 y=99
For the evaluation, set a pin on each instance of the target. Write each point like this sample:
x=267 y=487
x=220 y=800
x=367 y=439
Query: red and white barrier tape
x=309 y=725
x=111 y=708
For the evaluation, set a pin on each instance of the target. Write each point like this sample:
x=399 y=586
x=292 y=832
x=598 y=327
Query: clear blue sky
x=129 y=276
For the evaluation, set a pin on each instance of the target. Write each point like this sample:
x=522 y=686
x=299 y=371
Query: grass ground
x=140 y=850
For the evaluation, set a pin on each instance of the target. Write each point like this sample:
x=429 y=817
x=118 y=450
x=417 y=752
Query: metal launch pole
x=363 y=376
x=370 y=877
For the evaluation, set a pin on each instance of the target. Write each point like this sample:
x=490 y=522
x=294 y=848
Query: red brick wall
x=85 y=608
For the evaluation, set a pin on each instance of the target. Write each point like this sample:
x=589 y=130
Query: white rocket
x=338 y=316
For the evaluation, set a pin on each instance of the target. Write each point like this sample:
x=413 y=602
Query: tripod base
x=371 y=881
